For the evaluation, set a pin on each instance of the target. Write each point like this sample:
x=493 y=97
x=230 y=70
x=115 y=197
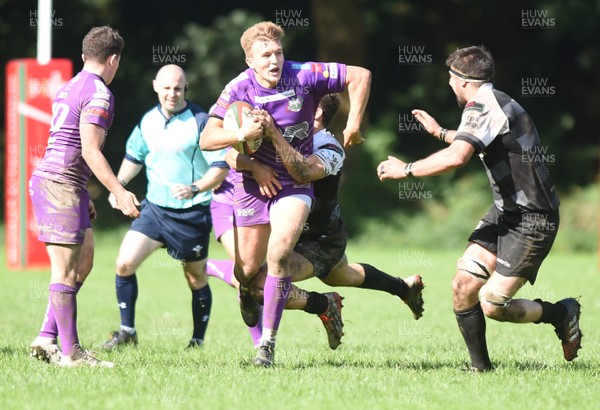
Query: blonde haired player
x=268 y=228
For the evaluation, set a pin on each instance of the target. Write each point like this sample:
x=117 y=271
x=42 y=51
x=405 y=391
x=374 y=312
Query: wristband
x=443 y=132
x=408 y=169
x=122 y=182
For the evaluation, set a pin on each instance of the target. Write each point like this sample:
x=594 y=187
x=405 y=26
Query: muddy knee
x=493 y=303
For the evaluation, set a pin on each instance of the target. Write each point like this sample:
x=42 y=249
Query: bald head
x=170 y=71
x=170 y=84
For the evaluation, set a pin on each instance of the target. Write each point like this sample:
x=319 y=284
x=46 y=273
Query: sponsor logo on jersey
x=305 y=66
x=225 y=95
x=472 y=122
x=96 y=111
x=275 y=97
x=333 y=70
x=105 y=96
x=100 y=86
x=316 y=67
x=100 y=103
x=474 y=106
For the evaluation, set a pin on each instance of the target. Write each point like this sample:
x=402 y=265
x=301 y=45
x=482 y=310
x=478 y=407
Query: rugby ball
x=237 y=114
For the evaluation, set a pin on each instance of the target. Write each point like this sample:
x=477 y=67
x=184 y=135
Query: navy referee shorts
x=184 y=232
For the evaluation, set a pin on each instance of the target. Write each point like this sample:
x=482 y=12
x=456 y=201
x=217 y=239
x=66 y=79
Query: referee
x=176 y=212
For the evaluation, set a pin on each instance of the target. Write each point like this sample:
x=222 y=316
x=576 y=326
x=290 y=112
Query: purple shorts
x=61 y=210
x=222 y=217
x=252 y=208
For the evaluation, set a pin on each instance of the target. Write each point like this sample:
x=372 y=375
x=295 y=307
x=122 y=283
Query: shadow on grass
x=437 y=365
x=420 y=365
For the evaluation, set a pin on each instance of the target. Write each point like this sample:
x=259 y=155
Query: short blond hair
x=263 y=31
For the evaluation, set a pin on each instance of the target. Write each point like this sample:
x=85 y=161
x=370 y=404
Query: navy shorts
x=521 y=242
x=184 y=232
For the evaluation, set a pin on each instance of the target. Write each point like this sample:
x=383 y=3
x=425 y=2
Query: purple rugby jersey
x=292 y=104
x=84 y=99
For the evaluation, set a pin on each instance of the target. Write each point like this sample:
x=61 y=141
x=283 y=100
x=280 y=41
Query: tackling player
x=511 y=241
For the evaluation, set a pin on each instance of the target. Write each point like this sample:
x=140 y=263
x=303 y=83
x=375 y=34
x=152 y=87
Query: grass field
x=387 y=360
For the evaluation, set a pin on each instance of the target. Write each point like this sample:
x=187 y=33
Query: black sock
x=553 y=313
x=127 y=294
x=201 y=305
x=316 y=303
x=378 y=280
x=471 y=323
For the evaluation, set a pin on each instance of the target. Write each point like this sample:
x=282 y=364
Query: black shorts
x=185 y=232
x=324 y=251
x=521 y=242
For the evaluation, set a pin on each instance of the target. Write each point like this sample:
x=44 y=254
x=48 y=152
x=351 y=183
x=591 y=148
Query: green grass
x=387 y=360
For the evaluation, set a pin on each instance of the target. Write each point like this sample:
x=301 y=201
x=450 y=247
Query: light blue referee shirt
x=170 y=151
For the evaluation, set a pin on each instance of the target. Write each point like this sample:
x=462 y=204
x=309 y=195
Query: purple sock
x=63 y=299
x=276 y=293
x=221 y=269
x=49 y=328
x=256 y=331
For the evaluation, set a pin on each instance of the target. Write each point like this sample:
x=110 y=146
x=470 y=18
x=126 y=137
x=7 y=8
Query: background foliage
x=203 y=37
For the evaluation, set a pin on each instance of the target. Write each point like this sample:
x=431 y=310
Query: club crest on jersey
x=474 y=106
x=295 y=104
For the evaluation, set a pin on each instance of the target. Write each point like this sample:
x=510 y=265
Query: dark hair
x=330 y=104
x=102 y=42
x=472 y=63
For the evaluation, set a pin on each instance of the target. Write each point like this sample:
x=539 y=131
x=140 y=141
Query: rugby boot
x=332 y=320
x=81 y=357
x=44 y=349
x=568 y=331
x=120 y=338
x=194 y=344
x=265 y=355
x=414 y=297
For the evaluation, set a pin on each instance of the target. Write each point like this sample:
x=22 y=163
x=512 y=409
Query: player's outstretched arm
x=432 y=126
x=92 y=139
x=454 y=156
x=358 y=84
